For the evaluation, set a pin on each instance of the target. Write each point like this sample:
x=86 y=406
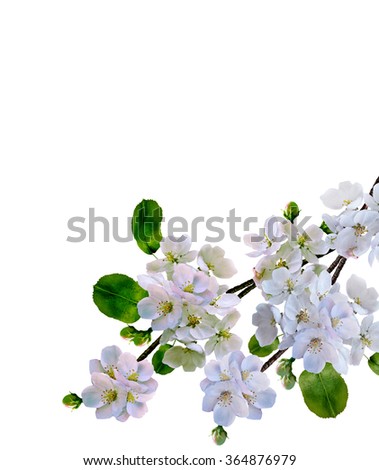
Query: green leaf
x=117 y=296
x=146 y=225
x=325 y=394
x=159 y=366
x=262 y=351
x=373 y=362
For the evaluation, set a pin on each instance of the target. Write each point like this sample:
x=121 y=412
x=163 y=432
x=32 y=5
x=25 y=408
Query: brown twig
x=149 y=350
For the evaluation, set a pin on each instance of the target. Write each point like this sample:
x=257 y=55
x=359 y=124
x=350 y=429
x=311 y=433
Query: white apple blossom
x=266 y=318
x=222 y=304
x=162 y=307
x=348 y=195
x=189 y=357
x=316 y=348
x=108 y=362
x=128 y=369
x=224 y=341
x=368 y=337
x=299 y=313
x=283 y=283
x=192 y=285
x=355 y=239
x=286 y=257
x=196 y=324
x=373 y=201
x=339 y=317
x=269 y=242
x=176 y=251
x=309 y=241
x=106 y=395
x=226 y=401
x=235 y=386
x=364 y=300
x=212 y=259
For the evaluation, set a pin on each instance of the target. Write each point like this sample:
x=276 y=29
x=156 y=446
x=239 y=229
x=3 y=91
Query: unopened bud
x=219 y=435
x=72 y=400
x=291 y=211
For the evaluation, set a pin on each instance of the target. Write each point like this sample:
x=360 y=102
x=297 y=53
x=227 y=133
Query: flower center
x=245 y=375
x=171 y=257
x=110 y=371
x=108 y=396
x=130 y=397
x=360 y=230
x=315 y=345
x=281 y=263
x=346 y=202
x=290 y=285
x=165 y=307
x=301 y=240
x=336 y=322
x=224 y=334
x=133 y=376
x=357 y=300
x=211 y=266
x=188 y=288
x=302 y=316
x=225 y=399
x=251 y=399
x=193 y=321
x=365 y=340
x=224 y=376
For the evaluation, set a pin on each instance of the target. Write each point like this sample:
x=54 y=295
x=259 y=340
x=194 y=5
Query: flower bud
x=291 y=211
x=72 y=400
x=219 y=435
x=139 y=337
x=289 y=381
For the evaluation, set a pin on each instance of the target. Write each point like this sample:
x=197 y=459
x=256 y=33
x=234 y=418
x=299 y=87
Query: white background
x=204 y=106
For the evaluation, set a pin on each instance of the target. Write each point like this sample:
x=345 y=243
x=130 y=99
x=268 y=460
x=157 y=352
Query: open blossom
x=266 y=318
x=212 y=259
x=223 y=341
x=373 y=201
x=368 y=337
x=299 y=313
x=316 y=348
x=190 y=357
x=235 y=386
x=310 y=241
x=222 y=304
x=339 y=317
x=106 y=395
x=348 y=195
x=364 y=300
x=162 y=307
x=192 y=285
x=196 y=324
x=108 y=362
x=269 y=242
x=175 y=251
x=355 y=239
x=283 y=283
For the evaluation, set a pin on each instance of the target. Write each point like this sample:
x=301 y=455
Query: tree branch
x=149 y=350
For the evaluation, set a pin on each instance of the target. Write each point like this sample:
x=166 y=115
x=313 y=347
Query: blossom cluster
x=188 y=305
x=121 y=386
x=315 y=318
x=235 y=386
